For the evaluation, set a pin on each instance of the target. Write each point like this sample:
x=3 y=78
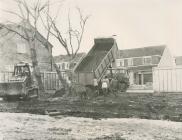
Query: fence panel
x=5 y=76
x=50 y=79
x=167 y=79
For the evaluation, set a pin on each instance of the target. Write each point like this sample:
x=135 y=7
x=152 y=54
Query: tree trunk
x=36 y=69
x=63 y=81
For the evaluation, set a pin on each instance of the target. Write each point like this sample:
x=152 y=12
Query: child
x=105 y=85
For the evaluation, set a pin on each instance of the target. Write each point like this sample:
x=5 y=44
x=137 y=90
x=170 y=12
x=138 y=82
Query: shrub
x=120 y=82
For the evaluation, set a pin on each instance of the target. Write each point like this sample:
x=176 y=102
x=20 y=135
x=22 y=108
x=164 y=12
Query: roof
x=17 y=27
x=145 y=51
x=66 y=58
x=178 y=60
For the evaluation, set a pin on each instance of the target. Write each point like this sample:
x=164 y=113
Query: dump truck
x=21 y=85
x=96 y=63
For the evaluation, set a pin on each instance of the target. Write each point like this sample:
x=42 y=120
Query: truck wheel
x=25 y=98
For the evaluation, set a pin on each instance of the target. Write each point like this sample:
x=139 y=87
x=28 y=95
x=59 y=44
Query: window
x=130 y=62
x=72 y=65
x=21 y=48
x=67 y=65
x=147 y=60
x=63 y=66
x=121 y=63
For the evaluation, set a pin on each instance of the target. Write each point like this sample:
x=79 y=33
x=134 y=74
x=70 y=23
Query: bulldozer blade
x=12 y=89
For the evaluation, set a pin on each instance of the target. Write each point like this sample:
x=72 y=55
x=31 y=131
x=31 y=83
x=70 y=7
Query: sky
x=136 y=23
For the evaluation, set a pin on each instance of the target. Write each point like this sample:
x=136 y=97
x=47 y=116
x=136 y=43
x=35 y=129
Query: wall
x=138 y=61
x=156 y=59
x=9 y=55
x=167 y=79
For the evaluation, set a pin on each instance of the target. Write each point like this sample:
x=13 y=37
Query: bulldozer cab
x=21 y=70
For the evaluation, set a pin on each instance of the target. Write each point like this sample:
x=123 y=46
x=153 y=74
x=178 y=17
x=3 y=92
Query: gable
x=167 y=60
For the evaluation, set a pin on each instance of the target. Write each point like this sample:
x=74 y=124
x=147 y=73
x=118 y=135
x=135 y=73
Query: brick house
x=14 y=49
x=139 y=63
x=65 y=63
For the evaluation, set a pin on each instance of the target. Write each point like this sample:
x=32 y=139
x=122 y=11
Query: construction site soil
x=125 y=105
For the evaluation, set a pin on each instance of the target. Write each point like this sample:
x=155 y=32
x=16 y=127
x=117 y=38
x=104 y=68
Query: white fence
x=5 y=76
x=50 y=79
x=167 y=79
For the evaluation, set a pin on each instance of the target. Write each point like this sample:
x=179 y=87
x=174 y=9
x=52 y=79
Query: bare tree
x=48 y=24
x=71 y=41
x=27 y=30
x=30 y=15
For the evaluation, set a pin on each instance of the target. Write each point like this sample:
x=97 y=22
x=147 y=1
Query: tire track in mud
x=124 y=106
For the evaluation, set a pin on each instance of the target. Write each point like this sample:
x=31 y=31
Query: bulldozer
x=21 y=85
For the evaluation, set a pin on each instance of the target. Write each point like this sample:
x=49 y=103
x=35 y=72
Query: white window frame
x=66 y=65
x=130 y=61
x=146 y=57
x=63 y=68
x=121 y=62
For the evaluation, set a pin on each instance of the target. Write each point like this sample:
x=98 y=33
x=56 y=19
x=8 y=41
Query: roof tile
x=145 y=51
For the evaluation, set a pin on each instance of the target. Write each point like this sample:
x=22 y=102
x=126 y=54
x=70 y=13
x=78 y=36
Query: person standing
x=96 y=88
x=95 y=83
x=105 y=85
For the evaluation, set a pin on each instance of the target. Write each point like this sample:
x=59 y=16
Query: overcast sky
x=137 y=23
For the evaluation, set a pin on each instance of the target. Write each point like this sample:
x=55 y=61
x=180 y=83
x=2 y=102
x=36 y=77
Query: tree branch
x=14 y=31
x=70 y=35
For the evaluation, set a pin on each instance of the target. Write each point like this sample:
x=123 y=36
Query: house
x=65 y=63
x=178 y=60
x=139 y=63
x=14 y=49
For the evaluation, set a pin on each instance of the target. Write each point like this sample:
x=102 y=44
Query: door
x=140 y=79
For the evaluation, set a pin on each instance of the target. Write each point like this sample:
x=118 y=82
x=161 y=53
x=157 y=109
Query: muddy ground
x=146 y=106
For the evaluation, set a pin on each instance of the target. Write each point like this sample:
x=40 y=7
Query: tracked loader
x=21 y=85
